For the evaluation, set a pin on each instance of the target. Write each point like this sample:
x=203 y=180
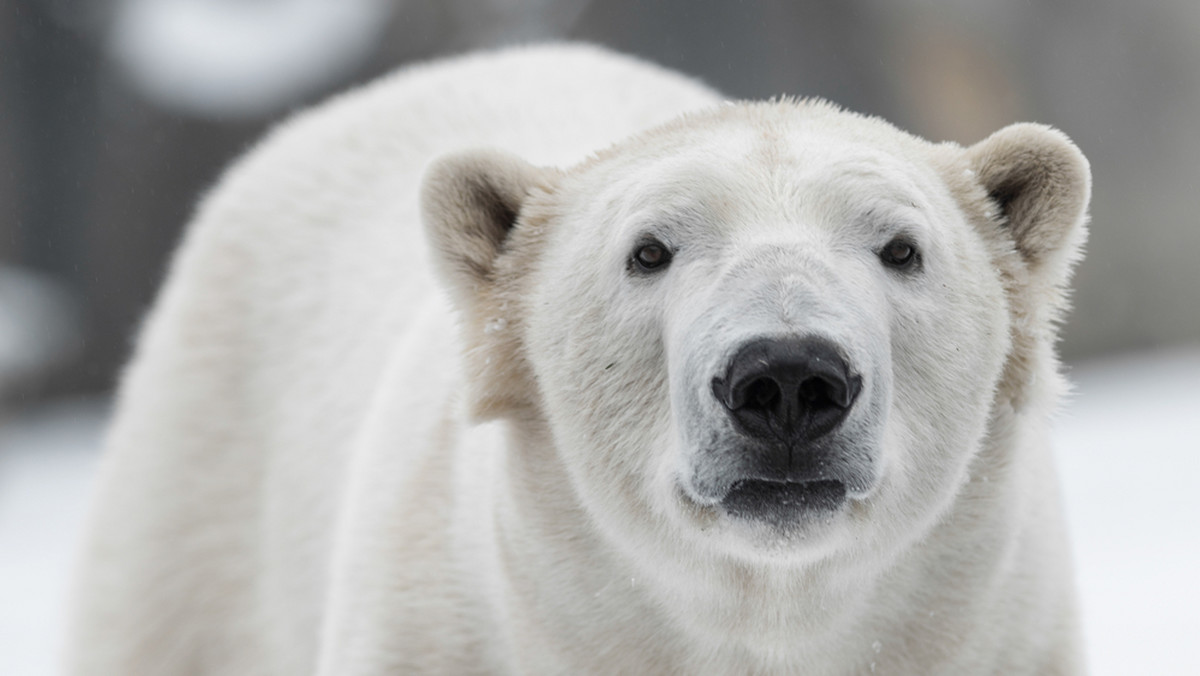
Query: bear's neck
x=571 y=590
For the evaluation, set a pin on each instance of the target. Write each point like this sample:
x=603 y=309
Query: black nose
x=791 y=389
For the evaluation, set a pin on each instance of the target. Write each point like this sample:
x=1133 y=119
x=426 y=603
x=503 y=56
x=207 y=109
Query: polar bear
x=700 y=388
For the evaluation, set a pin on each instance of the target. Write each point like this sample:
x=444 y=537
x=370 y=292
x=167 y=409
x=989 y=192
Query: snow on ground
x=1129 y=456
x=1129 y=453
x=46 y=465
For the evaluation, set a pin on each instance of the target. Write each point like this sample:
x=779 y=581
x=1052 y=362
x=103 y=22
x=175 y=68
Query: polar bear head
x=768 y=331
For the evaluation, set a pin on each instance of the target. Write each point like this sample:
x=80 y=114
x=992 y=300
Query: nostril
x=816 y=392
x=822 y=392
x=762 y=394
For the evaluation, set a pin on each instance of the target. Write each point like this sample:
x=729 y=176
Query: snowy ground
x=1129 y=450
x=46 y=464
x=1129 y=455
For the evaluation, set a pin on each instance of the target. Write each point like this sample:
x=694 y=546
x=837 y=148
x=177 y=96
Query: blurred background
x=115 y=116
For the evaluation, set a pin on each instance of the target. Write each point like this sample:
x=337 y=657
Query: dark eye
x=899 y=254
x=651 y=255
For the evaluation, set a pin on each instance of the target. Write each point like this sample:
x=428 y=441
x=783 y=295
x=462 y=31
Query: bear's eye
x=651 y=255
x=899 y=254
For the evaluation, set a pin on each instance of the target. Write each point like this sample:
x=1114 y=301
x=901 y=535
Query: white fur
x=294 y=483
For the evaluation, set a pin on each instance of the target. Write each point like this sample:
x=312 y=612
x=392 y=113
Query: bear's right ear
x=471 y=203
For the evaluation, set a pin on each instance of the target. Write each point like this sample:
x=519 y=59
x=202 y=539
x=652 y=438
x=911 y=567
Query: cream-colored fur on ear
x=471 y=202
x=1029 y=186
x=1041 y=183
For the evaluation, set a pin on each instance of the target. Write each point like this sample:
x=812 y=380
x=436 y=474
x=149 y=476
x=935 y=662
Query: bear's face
x=772 y=331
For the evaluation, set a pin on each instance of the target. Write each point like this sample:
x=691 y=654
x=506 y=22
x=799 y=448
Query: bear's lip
x=783 y=502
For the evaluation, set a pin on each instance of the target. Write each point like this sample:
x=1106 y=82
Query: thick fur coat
x=477 y=370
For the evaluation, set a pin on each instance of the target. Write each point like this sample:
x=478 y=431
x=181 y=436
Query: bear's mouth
x=783 y=502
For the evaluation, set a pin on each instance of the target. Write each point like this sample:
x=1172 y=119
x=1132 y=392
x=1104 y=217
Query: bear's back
x=326 y=210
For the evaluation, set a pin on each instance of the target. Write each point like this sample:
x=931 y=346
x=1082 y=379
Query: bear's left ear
x=1040 y=185
x=1035 y=191
x=471 y=203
